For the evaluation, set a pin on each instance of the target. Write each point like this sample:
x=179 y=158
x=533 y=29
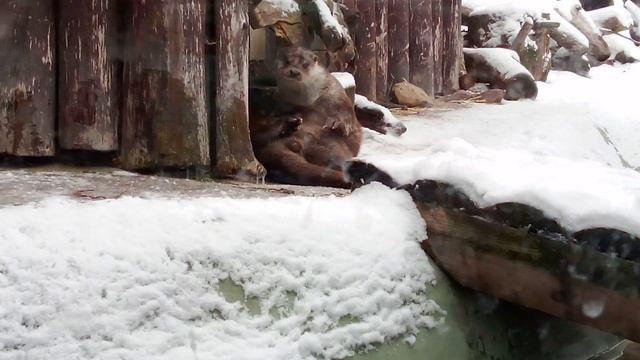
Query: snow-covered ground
x=144 y=278
x=574 y=152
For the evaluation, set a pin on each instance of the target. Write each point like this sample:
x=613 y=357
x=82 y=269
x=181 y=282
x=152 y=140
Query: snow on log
x=614 y=18
x=164 y=116
x=499 y=25
x=233 y=150
x=27 y=86
x=382 y=50
x=634 y=10
x=366 y=64
x=398 y=41
x=421 y=45
x=572 y=11
x=568 y=36
x=622 y=49
x=269 y=12
x=88 y=84
x=334 y=35
x=502 y=69
x=377 y=118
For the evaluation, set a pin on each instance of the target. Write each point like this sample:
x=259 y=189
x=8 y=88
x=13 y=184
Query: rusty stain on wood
x=27 y=68
x=164 y=112
x=88 y=88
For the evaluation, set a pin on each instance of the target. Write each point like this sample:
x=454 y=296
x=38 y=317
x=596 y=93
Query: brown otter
x=313 y=130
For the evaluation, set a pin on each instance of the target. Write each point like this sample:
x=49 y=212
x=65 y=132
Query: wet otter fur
x=311 y=130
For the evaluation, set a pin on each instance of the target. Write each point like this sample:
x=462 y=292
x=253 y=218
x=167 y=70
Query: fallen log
x=622 y=49
x=614 y=18
x=634 y=10
x=502 y=69
x=578 y=17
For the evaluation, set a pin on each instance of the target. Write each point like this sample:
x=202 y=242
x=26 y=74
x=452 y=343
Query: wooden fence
x=164 y=84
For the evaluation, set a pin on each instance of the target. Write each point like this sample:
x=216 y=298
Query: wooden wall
x=407 y=39
x=160 y=84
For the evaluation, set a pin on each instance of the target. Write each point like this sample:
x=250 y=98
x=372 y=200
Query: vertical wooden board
x=88 y=75
x=366 y=64
x=27 y=78
x=453 y=58
x=398 y=41
x=421 y=45
x=439 y=46
x=382 y=50
x=164 y=119
x=234 y=153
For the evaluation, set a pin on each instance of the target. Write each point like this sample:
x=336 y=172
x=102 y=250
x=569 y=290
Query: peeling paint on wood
x=234 y=153
x=164 y=111
x=27 y=67
x=88 y=75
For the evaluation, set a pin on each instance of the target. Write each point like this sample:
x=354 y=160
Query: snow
x=391 y=120
x=618 y=44
x=135 y=278
x=287 y=6
x=573 y=153
x=505 y=61
x=345 y=79
x=600 y=16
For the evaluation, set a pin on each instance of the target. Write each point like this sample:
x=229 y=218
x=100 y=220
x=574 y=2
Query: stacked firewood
x=540 y=36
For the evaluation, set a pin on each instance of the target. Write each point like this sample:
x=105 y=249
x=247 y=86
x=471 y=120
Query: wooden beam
x=234 y=154
x=421 y=45
x=440 y=29
x=27 y=72
x=89 y=77
x=164 y=111
x=551 y=275
x=452 y=58
x=366 y=64
x=382 y=50
x=399 y=68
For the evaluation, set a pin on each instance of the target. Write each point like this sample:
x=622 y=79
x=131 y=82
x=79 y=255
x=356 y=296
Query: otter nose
x=294 y=73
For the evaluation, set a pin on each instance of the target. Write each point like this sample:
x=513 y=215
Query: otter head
x=299 y=76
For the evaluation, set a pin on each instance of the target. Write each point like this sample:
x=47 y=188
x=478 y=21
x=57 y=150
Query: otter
x=311 y=129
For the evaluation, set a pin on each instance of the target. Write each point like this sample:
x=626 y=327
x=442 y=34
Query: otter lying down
x=308 y=132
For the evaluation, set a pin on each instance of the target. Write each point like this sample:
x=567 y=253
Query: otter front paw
x=291 y=124
x=339 y=125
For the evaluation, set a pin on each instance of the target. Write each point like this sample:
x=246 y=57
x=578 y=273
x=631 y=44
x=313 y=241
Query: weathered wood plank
x=421 y=49
x=452 y=58
x=366 y=64
x=382 y=50
x=440 y=29
x=88 y=84
x=234 y=154
x=164 y=113
x=27 y=70
x=399 y=14
x=556 y=277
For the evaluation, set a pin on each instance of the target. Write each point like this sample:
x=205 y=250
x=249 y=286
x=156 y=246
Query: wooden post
x=234 y=154
x=452 y=58
x=382 y=50
x=439 y=45
x=421 y=49
x=164 y=112
x=88 y=84
x=398 y=41
x=542 y=65
x=27 y=70
x=366 y=64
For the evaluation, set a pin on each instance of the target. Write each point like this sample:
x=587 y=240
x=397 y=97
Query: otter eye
x=305 y=65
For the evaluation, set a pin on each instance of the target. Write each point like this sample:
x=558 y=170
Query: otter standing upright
x=324 y=134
